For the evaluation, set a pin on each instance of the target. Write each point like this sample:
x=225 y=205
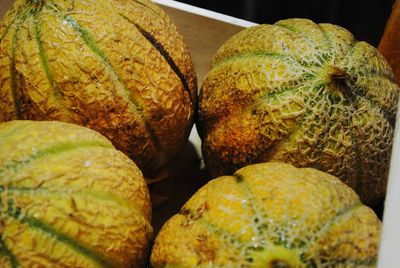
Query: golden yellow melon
x=271 y=215
x=68 y=198
x=302 y=93
x=117 y=66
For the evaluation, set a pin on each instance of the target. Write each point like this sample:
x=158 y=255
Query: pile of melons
x=97 y=97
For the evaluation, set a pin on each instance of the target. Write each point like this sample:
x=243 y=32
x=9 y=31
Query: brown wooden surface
x=203 y=36
x=389 y=45
x=4 y=6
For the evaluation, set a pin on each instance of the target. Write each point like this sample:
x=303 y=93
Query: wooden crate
x=204 y=32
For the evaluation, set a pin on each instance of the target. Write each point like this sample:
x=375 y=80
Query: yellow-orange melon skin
x=119 y=67
x=271 y=215
x=68 y=198
x=302 y=93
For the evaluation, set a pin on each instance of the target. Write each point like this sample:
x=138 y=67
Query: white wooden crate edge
x=205 y=13
x=390 y=240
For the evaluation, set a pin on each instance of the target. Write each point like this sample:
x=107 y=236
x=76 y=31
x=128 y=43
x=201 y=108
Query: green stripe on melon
x=133 y=82
x=68 y=198
x=270 y=215
x=337 y=116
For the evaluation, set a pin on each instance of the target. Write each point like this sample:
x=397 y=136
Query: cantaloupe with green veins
x=302 y=93
x=119 y=67
x=68 y=198
x=271 y=215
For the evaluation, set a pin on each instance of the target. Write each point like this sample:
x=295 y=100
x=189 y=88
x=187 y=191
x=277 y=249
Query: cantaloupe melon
x=68 y=198
x=271 y=215
x=119 y=67
x=302 y=93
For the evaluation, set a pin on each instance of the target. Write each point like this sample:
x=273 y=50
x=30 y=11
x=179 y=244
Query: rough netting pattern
x=117 y=66
x=271 y=215
x=68 y=198
x=303 y=93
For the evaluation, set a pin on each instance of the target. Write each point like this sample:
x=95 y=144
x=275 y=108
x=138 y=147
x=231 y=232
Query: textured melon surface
x=303 y=93
x=68 y=198
x=117 y=66
x=271 y=215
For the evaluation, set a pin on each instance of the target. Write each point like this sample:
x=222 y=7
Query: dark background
x=366 y=19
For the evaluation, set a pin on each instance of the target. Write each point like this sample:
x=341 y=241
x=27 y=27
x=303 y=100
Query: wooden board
x=390 y=239
x=4 y=6
x=204 y=31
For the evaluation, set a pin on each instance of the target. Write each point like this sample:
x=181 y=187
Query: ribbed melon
x=271 y=215
x=68 y=198
x=302 y=93
x=117 y=66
